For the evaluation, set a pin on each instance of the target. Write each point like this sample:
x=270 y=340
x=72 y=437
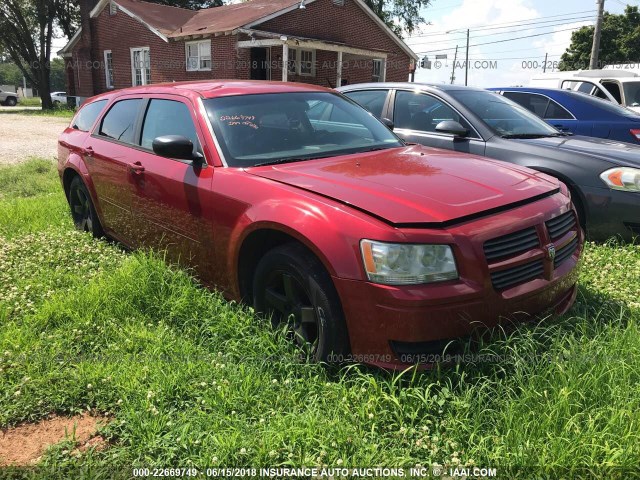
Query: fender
x=574 y=189
x=333 y=236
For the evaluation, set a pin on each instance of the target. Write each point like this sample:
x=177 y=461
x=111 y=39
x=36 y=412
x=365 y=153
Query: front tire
x=83 y=212
x=11 y=102
x=292 y=287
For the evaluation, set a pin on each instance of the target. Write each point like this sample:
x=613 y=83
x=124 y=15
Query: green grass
x=56 y=112
x=192 y=380
x=30 y=102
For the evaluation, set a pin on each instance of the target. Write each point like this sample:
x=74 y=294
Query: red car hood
x=414 y=185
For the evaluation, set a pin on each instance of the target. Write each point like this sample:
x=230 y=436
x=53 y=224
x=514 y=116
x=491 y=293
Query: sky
x=510 y=62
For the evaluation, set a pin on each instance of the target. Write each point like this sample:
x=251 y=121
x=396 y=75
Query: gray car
x=9 y=99
x=603 y=175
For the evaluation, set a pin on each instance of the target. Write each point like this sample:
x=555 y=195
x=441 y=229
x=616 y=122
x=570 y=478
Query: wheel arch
x=257 y=241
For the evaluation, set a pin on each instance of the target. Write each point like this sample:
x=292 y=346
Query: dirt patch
x=24 y=445
x=24 y=136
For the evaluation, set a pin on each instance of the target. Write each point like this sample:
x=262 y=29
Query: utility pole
x=595 y=48
x=453 y=71
x=544 y=67
x=466 y=63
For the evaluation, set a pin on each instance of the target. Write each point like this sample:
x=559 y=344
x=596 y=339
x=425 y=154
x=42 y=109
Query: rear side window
x=557 y=112
x=168 y=117
x=88 y=115
x=372 y=100
x=532 y=102
x=119 y=122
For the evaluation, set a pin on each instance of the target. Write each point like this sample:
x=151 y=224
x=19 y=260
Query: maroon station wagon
x=369 y=249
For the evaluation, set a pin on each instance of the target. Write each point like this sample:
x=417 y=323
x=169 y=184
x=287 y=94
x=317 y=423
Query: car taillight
x=636 y=133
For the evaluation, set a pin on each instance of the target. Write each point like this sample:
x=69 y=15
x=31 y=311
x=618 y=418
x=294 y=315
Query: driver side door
x=416 y=115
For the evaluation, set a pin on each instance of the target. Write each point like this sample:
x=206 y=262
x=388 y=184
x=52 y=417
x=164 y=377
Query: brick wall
x=349 y=24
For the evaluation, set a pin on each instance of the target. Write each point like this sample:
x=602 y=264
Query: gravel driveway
x=24 y=136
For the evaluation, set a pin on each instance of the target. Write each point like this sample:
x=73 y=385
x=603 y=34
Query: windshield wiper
x=287 y=160
x=529 y=135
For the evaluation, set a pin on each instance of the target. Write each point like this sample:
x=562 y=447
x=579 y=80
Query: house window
x=339 y=3
x=292 y=63
x=140 y=66
x=198 y=56
x=307 y=63
x=108 y=68
x=113 y=8
x=378 y=72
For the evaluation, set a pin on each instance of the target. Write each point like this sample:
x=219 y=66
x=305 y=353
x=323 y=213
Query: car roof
x=545 y=91
x=217 y=88
x=407 y=85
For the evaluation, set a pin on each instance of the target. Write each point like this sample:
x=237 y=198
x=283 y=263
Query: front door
x=416 y=115
x=259 y=64
x=170 y=195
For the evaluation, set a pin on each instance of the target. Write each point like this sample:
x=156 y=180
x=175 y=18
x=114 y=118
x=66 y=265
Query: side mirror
x=175 y=146
x=388 y=123
x=452 y=127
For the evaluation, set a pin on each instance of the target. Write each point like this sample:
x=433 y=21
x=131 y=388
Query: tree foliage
x=26 y=30
x=619 y=43
x=189 y=4
x=402 y=16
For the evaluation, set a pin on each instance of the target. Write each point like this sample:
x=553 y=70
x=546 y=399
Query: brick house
x=325 y=42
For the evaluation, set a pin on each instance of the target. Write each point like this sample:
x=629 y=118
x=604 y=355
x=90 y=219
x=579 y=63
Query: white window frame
x=108 y=69
x=378 y=63
x=293 y=61
x=313 y=63
x=145 y=81
x=199 y=57
x=113 y=8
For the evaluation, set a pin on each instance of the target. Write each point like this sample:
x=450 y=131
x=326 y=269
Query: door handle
x=88 y=151
x=136 y=168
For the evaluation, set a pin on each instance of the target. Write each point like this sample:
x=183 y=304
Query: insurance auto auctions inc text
x=435 y=471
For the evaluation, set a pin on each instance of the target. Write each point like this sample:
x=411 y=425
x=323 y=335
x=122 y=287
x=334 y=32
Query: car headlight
x=622 y=178
x=407 y=264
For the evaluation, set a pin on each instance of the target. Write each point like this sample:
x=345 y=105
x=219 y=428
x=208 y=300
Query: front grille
x=565 y=252
x=560 y=225
x=511 y=244
x=515 y=275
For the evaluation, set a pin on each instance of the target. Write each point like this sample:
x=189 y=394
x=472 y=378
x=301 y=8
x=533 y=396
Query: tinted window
x=614 y=90
x=557 y=112
x=372 y=100
x=87 y=115
x=632 y=93
x=277 y=128
x=119 y=122
x=168 y=117
x=532 y=102
x=417 y=111
x=501 y=114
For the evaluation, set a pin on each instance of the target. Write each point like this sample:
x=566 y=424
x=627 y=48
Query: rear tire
x=292 y=287
x=83 y=212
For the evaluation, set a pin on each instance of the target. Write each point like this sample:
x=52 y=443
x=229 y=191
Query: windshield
x=286 y=127
x=504 y=117
x=632 y=93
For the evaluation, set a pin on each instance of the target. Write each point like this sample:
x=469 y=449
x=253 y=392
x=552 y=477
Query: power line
x=500 y=33
x=500 y=41
x=513 y=23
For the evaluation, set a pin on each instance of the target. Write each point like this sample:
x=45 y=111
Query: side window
x=534 y=103
x=168 y=117
x=614 y=90
x=557 y=112
x=417 y=111
x=372 y=100
x=88 y=115
x=119 y=122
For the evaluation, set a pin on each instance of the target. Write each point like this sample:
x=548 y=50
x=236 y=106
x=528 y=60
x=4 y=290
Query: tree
x=619 y=43
x=26 y=30
x=399 y=15
x=189 y=4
